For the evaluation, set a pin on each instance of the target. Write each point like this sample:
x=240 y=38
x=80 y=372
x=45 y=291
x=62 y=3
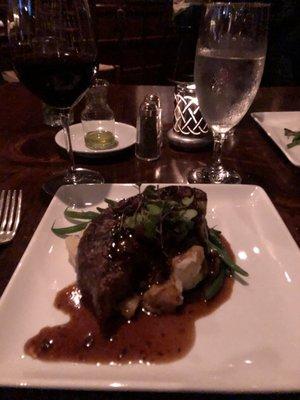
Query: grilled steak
x=116 y=262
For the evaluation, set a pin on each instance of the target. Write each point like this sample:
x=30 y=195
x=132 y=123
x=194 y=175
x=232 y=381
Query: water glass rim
x=235 y=4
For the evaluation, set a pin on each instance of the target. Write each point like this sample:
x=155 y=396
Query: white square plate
x=250 y=343
x=274 y=123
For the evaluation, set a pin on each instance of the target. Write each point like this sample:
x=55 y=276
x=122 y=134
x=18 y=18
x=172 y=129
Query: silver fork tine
x=4 y=219
x=12 y=211
x=18 y=213
x=2 y=200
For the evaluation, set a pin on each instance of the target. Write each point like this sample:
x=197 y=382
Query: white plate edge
x=140 y=386
x=255 y=115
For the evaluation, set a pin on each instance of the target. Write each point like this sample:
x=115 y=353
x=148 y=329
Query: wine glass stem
x=217 y=152
x=65 y=120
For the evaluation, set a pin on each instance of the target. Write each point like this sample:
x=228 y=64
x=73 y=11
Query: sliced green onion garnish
x=80 y=214
x=216 y=285
x=69 y=229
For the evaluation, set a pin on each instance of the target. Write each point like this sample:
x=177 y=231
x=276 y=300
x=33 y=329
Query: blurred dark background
x=145 y=42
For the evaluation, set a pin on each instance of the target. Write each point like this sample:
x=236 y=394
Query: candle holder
x=189 y=131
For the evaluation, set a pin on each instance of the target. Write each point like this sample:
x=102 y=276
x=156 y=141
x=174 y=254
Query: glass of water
x=229 y=64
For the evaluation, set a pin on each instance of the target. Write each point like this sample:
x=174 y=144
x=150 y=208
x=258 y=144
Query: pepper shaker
x=149 y=132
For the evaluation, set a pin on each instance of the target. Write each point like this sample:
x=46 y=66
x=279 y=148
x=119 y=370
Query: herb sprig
x=292 y=134
x=156 y=217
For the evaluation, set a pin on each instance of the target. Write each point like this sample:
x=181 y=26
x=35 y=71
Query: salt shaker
x=149 y=132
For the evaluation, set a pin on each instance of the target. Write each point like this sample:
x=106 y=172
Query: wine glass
x=229 y=64
x=54 y=55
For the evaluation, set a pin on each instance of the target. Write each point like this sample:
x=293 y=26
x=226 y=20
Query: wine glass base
x=77 y=177
x=213 y=175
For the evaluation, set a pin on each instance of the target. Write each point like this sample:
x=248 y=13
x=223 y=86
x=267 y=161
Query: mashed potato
x=187 y=267
x=187 y=272
x=72 y=243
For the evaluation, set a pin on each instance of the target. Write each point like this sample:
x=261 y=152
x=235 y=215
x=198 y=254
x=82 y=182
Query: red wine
x=57 y=81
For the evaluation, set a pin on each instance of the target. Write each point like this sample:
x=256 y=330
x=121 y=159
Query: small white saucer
x=125 y=134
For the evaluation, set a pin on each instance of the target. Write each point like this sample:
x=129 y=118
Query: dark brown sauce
x=146 y=338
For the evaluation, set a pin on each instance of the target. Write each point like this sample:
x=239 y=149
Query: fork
x=10 y=211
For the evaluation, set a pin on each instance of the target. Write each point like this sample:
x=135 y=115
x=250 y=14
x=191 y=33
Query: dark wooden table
x=29 y=156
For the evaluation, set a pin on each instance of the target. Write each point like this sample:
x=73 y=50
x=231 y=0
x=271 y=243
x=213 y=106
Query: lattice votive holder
x=189 y=129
